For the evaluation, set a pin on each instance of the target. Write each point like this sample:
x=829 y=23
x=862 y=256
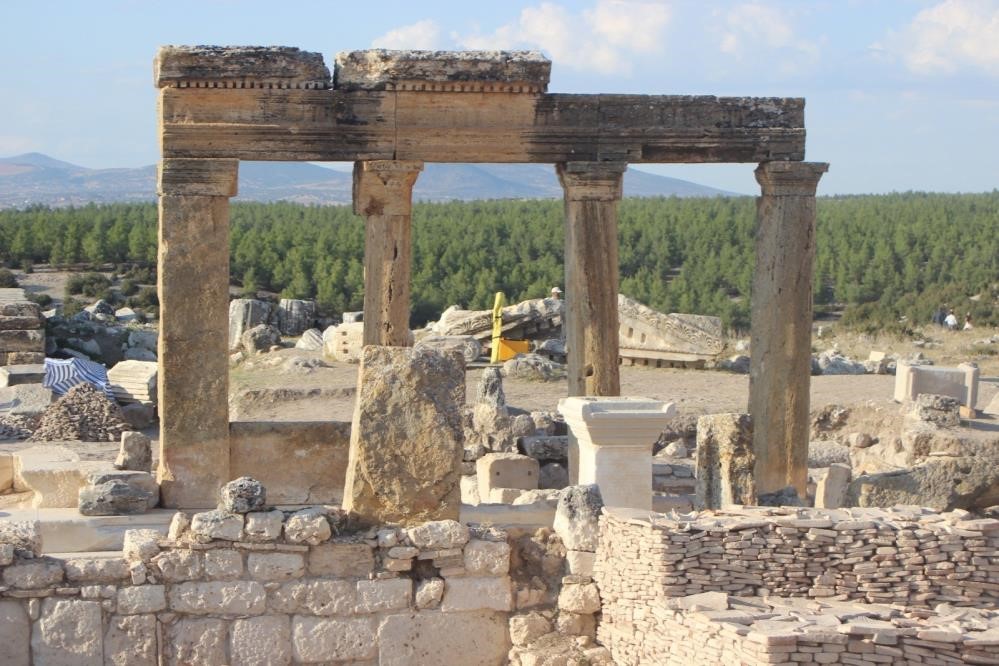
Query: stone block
x=406 y=438
x=444 y=639
x=177 y=566
x=579 y=598
x=24 y=399
x=22 y=341
x=21 y=315
x=341 y=560
x=261 y=640
x=21 y=373
x=140 y=545
x=242 y=495
x=322 y=640
x=263 y=525
x=830 y=491
x=15 y=634
x=131 y=641
x=429 y=593
x=275 y=566
x=469 y=485
x=546 y=447
x=24 y=535
x=580 y=562
x=438 y=535
x=379 y=595
x=577 y=517
x=725 y=460
x=506 y=470
x=529 y=627
x=68 y=633
x=487 y=558
x=275 y=453
x=244 y=314
x=139 y=599
x=135 y=452
x=218 y=597
x=223 y=564
x=960 y=383
x=217 y=525
x=55 y=475
x=314 y=597
x=307 y=526
x=113 y=495
x=90 y=570
x=191 y=642
x=33 y=574
x=472 y=594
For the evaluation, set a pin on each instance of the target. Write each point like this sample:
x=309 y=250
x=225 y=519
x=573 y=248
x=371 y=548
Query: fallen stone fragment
x=242 y=495
x=136 y=452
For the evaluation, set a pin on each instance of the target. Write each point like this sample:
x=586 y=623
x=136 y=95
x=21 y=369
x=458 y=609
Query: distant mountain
x=34 y=178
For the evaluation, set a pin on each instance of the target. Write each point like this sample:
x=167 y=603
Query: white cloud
x=424 y=35
x=605 y=37
x=755 y=26
x=949 y=36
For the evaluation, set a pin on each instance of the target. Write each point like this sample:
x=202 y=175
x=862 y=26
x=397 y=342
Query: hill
x=33 y=179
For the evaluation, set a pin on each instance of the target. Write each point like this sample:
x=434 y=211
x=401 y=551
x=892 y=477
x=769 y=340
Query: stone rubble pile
x=15 y=426
x=83 y=414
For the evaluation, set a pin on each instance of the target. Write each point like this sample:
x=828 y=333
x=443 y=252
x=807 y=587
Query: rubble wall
x=835 y=570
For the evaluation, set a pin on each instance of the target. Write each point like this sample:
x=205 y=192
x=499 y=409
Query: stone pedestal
x=615 y=437
x=193 y=343
x=781 y=323
x=383 y=193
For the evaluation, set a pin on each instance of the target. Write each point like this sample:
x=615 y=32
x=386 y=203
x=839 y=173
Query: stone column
x=592 y=191
x=193 y=287
x=383 y=194
x=781 y=323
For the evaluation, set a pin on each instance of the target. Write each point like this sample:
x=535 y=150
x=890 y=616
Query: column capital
x=783 y=179
x=591 y=181
x=374 y=180
x=197 y=177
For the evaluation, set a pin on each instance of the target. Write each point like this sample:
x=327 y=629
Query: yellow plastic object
x=507 y=349
x=497 y=326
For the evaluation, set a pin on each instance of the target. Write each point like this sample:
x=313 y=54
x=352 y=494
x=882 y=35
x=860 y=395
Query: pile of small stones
x=84 y=414
x=17 y=426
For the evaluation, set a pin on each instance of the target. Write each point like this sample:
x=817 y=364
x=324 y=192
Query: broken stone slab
x=642 y=328
x=135 y=452
x=311 y=340
x=142 y=483
x=24 y=399
x=24 y=373
x=469 y=348
x=406 y=440
x=939 y=410
x=112 y=498
x=54 y=474
x=240 y=66
x=943 y=483
x=242 y=495
x=478 y=71
x=725 y=460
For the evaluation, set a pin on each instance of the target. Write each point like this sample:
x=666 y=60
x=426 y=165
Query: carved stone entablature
x=443 y=71
x=277 y=67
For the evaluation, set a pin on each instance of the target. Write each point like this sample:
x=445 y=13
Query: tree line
x=883 y=261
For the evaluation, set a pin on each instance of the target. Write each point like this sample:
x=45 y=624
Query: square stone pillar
x=193 y=286
x=615 y=438
x=781 y=323
x=383 y=195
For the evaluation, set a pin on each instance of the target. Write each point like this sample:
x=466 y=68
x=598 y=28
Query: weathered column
x=592 y=191
x=193 y=285
x=383 y=194
x=781 y=323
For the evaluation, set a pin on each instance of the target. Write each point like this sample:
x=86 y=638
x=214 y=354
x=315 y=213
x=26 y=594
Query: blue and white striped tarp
x=63 y=374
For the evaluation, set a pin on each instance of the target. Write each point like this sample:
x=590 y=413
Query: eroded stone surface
x=725 y=460
x=139 y=599
x=314 y=597
x=217 y=525
x=381 y=69
x=438 y=535
x=196 y=641
x=307 y=526
x=263 y=525
x=235 y=598
x=451 y=639
x=68 y=633
x=242 y=495
x=275 y=566
x=261 y=640
x=577 y=515
x=342 y=560
x=317 y=639
x=15 y=633
x=135 y=452
x=131 y=641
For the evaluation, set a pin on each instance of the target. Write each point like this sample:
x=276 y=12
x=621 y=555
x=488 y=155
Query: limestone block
x=580 y=562
x=429 y=593
x=307 y=526
x=54 y=473
x=6 y=471
x=139 y=599
x=68 y=633
x=177 y=566
x=379 y=595
x=470 y=594
x=195 y=641
x=506 y=495
x=344 y=343
x=24 y=535
x=506 y=470
x=830 y=491
x=90 y=570
x=221 y=597
x=179 y=523
x=579 y=598
x=22 y=340
x=380 y=69
x=406 y=437
x=15 y=634
x=115 y=497
x=21 y=315
x=314 y=597
x=529 y=627
x=131 y=641
x=576 y=624
x=135 y=453
x=469 y=485
x=244 y=314
x=546 y=447
x=223 y=564
x=311 y=340
x=261 y=640
x=25 y=399
x=438 y=535
x=33 y=574
x=140 y=545
x=294 y=316
x=444 y=639
x=577 y=516
x=341 y=560
x=275 y=566
x=242 y=495
x=487 y=558
x=725 y=460
x=317 y=639
x=260 y=339
x=217 y=525
x=263 y=525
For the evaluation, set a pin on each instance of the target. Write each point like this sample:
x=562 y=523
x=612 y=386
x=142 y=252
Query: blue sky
x=901 y=95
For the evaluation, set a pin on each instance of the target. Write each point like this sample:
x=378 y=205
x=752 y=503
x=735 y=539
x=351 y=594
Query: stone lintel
x=239 y=67
x=384 y=187
x=591 y=181
x=442 y=71
x=790 y=179
x=198 y=177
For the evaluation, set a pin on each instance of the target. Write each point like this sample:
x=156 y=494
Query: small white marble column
x=615 y=437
